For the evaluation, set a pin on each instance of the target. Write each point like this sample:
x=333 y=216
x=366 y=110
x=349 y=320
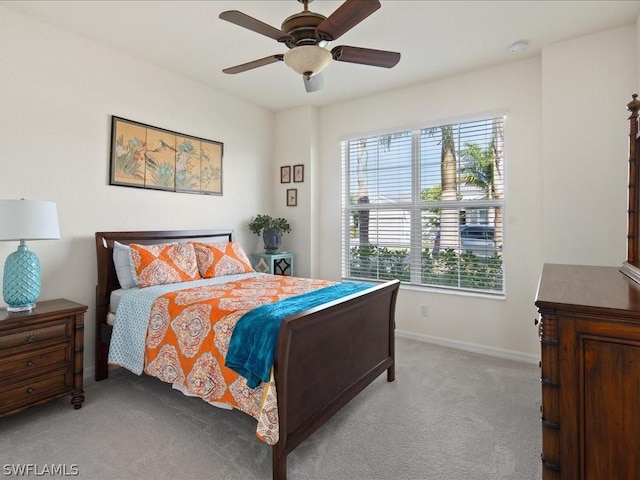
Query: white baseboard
x=89 y=373
x=472 y=347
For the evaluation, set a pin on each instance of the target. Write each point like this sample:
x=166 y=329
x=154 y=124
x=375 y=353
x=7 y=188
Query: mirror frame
x=631 y=267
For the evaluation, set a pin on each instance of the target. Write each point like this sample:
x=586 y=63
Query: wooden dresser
x=41 y=354
x=589 y=330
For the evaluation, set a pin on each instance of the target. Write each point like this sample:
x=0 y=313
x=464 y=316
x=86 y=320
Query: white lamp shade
x=28 y=220
x=307 y=59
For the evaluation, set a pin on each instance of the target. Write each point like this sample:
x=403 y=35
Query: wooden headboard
x=108 y=281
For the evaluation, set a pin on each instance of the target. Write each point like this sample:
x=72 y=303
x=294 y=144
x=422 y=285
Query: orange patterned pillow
x=164 y=263
x=218 y=259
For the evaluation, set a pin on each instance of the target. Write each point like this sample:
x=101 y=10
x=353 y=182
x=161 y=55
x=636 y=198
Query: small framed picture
x=285 y=174
x=292 y=197
x=298 y=173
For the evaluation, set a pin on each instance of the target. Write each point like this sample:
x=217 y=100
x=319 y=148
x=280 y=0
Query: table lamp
x=22 y=220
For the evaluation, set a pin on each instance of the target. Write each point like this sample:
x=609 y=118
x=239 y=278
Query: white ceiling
x=436 y=39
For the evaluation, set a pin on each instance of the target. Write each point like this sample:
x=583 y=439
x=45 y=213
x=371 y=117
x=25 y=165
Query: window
x=425 y=206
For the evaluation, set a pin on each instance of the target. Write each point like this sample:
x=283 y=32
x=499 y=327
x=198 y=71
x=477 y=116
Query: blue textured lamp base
x=21 y=283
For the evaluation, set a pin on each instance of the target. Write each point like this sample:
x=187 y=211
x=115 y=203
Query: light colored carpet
x=450 y=415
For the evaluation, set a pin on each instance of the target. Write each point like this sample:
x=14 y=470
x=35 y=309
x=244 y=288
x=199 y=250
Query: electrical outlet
x=424 y=310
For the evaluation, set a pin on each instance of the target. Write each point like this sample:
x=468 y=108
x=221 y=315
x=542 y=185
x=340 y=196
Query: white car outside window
x=475 y=238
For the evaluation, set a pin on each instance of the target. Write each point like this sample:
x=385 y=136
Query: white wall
x=565 y=156
x=587 y=83
x=565 y=113
x=57 y=95
x=638 y=53
x=499 y=324
x=297 y=143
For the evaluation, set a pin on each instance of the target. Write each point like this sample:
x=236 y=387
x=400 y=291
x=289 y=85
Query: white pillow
x=122 y=262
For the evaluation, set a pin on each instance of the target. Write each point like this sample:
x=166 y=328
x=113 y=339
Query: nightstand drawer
x=41 y=352
x=25 y=363
x=35 y=390
x=28 y=337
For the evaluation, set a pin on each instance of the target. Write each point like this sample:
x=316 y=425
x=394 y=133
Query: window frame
x=416 y=206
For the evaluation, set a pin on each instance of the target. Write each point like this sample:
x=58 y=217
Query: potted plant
x=271 y=230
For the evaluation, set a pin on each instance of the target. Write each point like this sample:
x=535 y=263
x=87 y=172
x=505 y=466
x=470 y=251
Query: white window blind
x=425 y=206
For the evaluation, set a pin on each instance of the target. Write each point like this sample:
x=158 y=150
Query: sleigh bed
x=356 y=334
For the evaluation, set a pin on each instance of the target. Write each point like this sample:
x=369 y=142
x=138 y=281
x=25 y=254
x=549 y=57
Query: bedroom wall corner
x=297 y=143
x=586 y=84
x=495 y=323
x=58 y=93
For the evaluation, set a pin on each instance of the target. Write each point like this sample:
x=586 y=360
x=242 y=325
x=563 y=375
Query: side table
x=41 y=354
x=273 y=263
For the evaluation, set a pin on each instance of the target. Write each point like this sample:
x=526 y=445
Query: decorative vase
x=272 y=240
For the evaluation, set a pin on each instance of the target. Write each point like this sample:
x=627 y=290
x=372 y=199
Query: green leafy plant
x=266 y=222
x=447 y=269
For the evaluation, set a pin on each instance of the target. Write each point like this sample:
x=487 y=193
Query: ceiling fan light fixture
x=307 y=59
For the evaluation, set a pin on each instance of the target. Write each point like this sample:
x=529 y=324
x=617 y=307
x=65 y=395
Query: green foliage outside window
x=446 y=269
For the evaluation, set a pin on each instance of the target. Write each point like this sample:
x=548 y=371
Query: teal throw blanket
x=252 y=347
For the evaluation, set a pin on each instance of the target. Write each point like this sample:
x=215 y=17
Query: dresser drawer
x=26 y=363
x=37 y=389
x=31 y=336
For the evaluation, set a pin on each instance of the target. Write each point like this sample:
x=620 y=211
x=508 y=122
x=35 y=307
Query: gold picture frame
x=292 y=197
x=285 y=174
x=144 y=156
x=298 y=173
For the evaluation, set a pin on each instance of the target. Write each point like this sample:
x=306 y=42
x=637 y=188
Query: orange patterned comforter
x=188 y=338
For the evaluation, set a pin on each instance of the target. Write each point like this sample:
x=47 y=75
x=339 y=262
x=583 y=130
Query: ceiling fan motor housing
x=302 y=28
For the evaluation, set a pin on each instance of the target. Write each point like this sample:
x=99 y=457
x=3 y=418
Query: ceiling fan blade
x=255 y=64
x=365 y=56
x=244 y=20
x=314 y=83
x=346 y=16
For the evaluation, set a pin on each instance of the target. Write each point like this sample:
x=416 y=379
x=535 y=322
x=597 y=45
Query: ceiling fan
x=307 y=33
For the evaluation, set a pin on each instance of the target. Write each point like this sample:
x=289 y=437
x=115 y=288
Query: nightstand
x=41 y=355
x=274 y=263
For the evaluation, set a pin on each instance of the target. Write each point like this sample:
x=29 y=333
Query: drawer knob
x=31 y=338
x=30 y=363
x=30 y=390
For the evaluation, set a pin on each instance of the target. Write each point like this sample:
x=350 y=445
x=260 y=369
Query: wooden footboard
x=325 y=357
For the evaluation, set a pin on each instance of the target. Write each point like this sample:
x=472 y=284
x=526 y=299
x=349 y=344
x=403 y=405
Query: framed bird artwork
x=144 y=156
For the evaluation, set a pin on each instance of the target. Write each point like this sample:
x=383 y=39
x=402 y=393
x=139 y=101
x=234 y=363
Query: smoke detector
x=519 y=46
